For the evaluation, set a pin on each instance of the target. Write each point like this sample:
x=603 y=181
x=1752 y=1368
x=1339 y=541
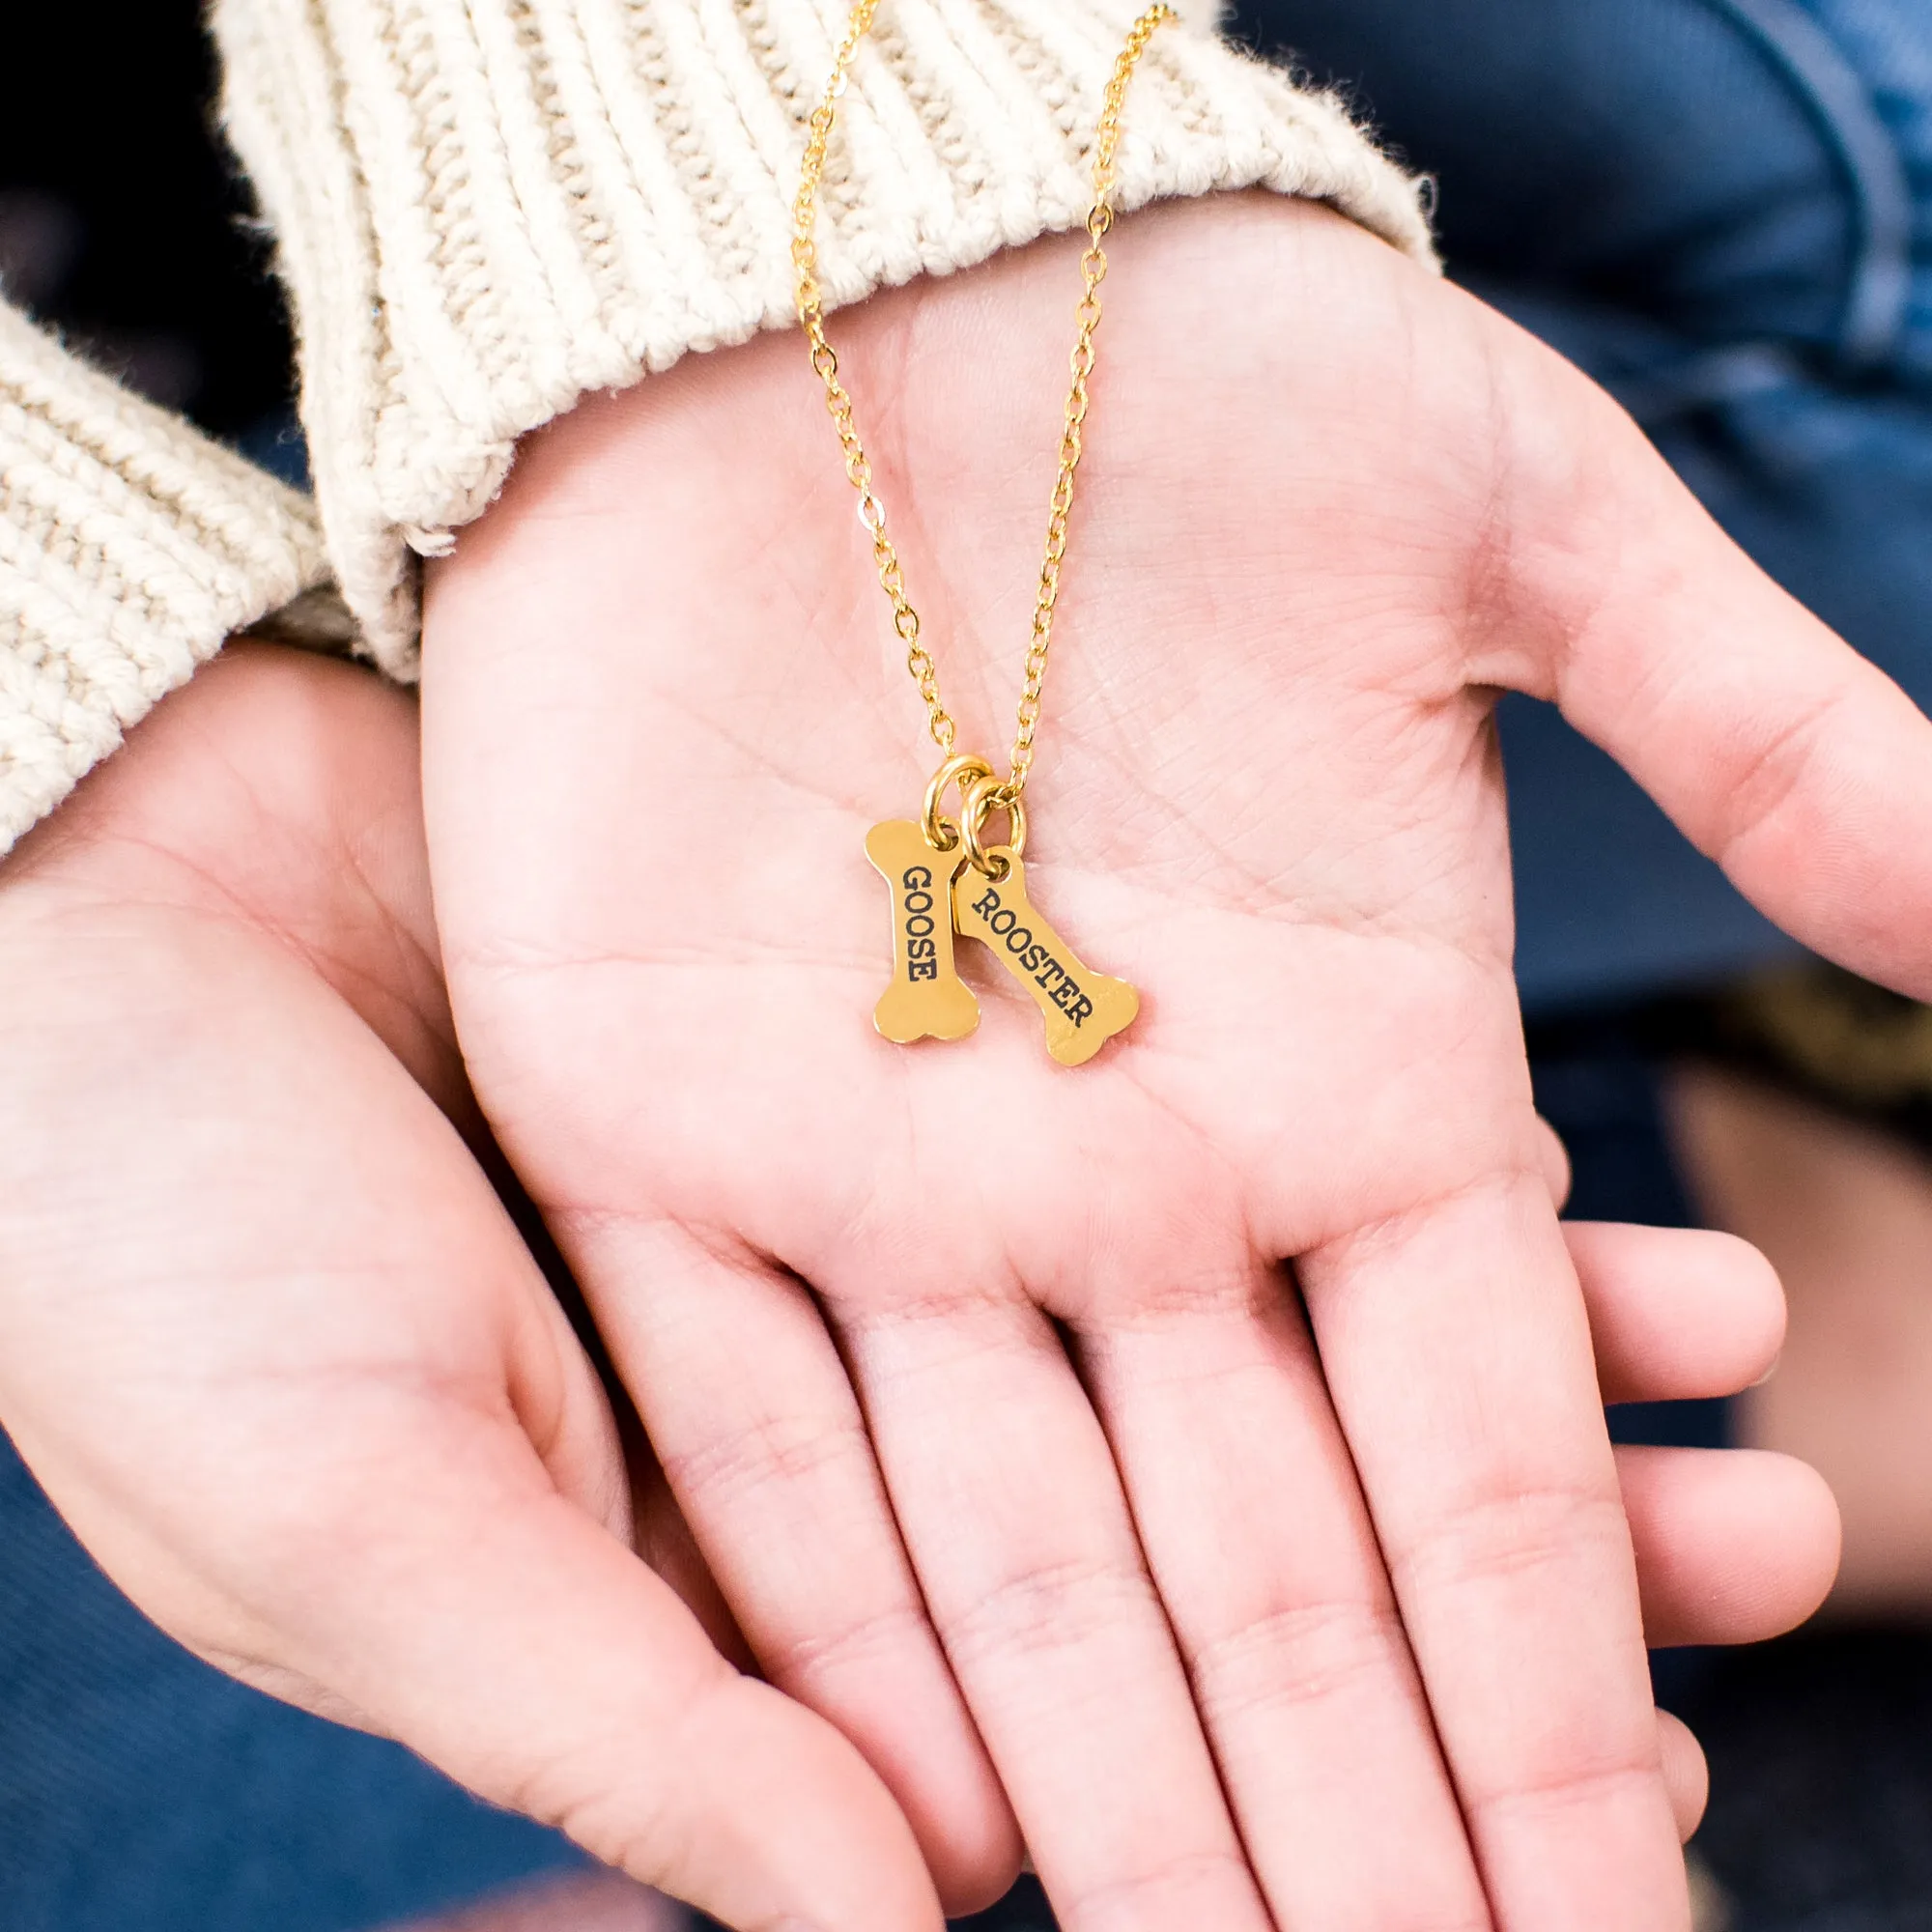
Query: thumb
x=1773 y=747
x=489 y=1624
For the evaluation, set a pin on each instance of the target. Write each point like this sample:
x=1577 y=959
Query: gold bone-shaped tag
x=928 y=999
x=1083 y=1010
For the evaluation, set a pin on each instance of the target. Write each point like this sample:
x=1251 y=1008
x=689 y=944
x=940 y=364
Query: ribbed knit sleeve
x=130 y=548
x=486 y=207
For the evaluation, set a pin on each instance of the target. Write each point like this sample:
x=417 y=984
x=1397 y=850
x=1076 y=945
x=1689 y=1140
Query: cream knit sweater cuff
x=486 y=208
x=130 y=548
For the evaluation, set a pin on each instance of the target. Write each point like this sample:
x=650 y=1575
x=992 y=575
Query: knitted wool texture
x=486 y=208
x=130 y=548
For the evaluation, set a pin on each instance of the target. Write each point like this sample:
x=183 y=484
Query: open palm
x=981 y=1380
x=273 y=1347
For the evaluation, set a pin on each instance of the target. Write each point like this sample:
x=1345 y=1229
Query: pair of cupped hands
x=1189 y=1470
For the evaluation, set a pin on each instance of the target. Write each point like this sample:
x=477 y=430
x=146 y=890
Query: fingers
x=1776 y=750
x=1458 y=1354
x=533 y=1656
x=765 y=1448
x=1254 y=1528
x=1686 y=1773
x=1554 y=1159
x=1676 y=1313
x=1733 y=1546
x=1004 y=1483
x=660 y=1536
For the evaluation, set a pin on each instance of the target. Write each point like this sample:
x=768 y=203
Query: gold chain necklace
x=928 y=860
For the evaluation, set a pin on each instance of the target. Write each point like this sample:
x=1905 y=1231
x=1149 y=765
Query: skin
x=276 y=1350
x=272 y=1344
x=1015 y=1442
x=1846 y=1213
x=595 y=1901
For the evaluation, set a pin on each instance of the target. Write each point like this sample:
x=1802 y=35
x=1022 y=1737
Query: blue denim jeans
x=1721 y=209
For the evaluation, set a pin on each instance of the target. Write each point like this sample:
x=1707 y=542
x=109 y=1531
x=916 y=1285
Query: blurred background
x=1723 y=209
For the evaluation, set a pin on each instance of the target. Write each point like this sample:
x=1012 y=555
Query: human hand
x=338 y=1471
x=277 y=1353
x=317 y=1467
x=1209 y=1579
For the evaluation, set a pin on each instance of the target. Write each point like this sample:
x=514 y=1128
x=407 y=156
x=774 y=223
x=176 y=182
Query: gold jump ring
x=985 y=797
x=968 y=772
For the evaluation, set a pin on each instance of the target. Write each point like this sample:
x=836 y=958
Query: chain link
x=811 y=301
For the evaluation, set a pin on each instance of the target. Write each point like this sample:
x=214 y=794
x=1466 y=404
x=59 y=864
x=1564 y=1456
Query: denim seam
x=1836 y=95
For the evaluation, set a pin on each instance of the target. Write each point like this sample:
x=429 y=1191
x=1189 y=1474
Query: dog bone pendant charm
x=1083 y=1010
x=928 y=999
